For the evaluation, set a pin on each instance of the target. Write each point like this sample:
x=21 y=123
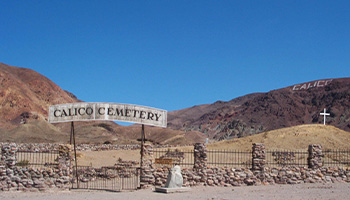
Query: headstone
x=175 y=179
x=174 y=182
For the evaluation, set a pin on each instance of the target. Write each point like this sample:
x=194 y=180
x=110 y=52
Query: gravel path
x=285 y=192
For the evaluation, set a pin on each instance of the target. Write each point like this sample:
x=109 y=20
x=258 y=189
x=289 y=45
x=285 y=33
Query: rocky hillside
x=26 y=94
x=259 y=112
x=25 y=97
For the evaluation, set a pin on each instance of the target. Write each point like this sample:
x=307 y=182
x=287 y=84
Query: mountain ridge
x=254 y=113
x=26 y=95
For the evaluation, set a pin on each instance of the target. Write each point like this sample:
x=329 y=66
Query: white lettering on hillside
x=305 y=86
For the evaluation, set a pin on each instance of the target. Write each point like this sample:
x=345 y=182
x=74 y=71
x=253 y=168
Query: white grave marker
x=324 y=116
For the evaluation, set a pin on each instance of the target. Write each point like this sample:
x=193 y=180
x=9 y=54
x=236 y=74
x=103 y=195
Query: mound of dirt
x=292 y=138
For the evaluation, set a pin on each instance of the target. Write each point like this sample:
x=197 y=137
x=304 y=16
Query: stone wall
x=13 y=178
x=258 y=174
x=44 y=147
x=223 y=176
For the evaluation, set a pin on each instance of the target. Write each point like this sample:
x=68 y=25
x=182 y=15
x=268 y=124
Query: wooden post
x=75 y=153
x=142 y=143
x=71 y=133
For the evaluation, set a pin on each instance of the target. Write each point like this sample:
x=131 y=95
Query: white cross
x=324 y=116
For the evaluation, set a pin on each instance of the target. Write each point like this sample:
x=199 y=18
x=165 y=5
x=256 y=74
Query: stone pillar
x=2 y=166
x=258 y=155
x=315 y=156
x=8 y=155
x=200 y=156
x=146 y=178
x=200 y=162
x=65 y=160
x=65 y=166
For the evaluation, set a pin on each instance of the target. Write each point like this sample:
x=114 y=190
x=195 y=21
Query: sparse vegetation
x=23 y=163
x=105 y=126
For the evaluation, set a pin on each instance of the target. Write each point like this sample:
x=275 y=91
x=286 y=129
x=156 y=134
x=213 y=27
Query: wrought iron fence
x=106 y=178
x=283 y=158
x=37 y=159
x=339 y=158
x=219 y=158
x=229 y=158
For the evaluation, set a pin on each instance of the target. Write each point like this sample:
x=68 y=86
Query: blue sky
x=174 y=54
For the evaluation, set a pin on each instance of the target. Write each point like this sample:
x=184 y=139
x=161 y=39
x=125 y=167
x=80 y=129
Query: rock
x=210 y=182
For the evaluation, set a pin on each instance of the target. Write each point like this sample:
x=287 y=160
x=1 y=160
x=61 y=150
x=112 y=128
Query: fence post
x=8 y=155
x=146 y=178
x=258 y=156
x=65 y=159
x=315 y=156
x=200 y=161
x=200 y=156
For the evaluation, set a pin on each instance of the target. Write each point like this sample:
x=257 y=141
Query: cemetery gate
x=106 y=178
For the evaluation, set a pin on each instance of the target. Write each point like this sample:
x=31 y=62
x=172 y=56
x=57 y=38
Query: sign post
x=142 y=142
x=72 y=141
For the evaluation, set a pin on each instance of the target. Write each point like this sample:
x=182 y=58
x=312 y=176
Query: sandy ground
x=285 y=192
x=106 y=158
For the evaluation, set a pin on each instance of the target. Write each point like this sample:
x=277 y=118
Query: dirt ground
x=106 y=158
x=285 y=192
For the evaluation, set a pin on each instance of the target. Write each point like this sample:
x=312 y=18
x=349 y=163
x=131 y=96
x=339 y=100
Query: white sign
x=305 y=86
x=108 y=111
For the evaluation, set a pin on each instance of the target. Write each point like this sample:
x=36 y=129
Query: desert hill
x=26 y=94
x=255 y=113
x=291 y=138
x=25 y=97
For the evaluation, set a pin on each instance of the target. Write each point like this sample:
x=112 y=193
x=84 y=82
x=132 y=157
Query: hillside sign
x=316 y=84
x=107 y=112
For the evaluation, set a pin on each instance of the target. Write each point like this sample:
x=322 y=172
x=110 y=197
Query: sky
x=174 y=54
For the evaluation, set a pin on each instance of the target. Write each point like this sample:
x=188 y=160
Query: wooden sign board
x=163 y=161
x=107 y=112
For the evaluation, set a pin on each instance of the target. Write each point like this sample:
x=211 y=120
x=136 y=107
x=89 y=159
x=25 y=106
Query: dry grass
x=292 y=138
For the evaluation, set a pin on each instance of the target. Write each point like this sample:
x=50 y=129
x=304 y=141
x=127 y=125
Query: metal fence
x=215 y=158
x=283 y=158
x=218 y=158
x=106 y=178
x=339 y=158
x=37 y=159
x=229 y=158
